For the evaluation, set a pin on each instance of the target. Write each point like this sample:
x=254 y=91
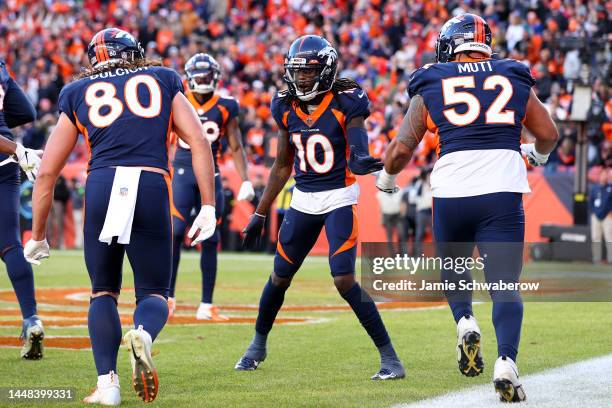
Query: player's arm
x=7 y=146
x=279 y=174
x=234 y=139
x=360 y=161
x=540 y=124
x=18 y=109
x=58 y=149
x=188 y=127
x=399 y=152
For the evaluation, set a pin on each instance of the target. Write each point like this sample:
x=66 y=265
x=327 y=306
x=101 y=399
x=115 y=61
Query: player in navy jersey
x=322 y=136
x=16 y=110
x=126 y=107
x=478 y=107
x=219 y=117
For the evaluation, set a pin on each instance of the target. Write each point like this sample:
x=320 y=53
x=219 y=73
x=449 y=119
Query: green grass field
x=323 y=364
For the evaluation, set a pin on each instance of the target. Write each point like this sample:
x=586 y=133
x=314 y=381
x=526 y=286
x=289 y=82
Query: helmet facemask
x=203 y=82
x=307 y=80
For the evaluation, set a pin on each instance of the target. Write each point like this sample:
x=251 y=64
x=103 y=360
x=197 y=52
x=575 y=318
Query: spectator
x=77 y=197
x=391 y=219
x=61 y=195
x=228 y=240
x=601 y=216
x=423 y=211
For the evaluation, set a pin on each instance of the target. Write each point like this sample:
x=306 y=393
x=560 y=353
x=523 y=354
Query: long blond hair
x=141 y=62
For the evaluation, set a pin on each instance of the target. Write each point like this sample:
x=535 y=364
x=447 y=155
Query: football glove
x=205 y=222
x=252 y=232
x=28 y=160
x=361 y=164
x=34 y=251
x=533 y=157
x=386 y=182
x=246 y=191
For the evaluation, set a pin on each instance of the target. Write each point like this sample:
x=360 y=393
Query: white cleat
x=144 y=374
x=469 y=353
x=506 y=381
x=207 y=311
x=107 y=391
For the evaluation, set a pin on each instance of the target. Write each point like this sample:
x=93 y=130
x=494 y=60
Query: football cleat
x=248 y=364
x=171 y=307
x=506 y=381
x=32 y=335
x=469 y=353
x=388 y=374
x=107 y=391
x=206 y=311
x=144 y=374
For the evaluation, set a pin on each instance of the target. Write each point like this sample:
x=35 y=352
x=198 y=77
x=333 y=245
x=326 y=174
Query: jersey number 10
x=101 y=94
x=496 y=114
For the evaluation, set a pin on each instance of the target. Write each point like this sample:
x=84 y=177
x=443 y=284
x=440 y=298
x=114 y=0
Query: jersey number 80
x=102 y=94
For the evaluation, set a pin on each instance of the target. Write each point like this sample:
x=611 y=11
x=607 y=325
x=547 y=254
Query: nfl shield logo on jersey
x=123 y=191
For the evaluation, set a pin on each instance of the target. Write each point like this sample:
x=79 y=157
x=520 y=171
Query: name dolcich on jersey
x=102 y=105
x=477 y=109
x=214 y=114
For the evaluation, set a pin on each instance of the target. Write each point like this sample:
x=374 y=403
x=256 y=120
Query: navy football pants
x=150 y=247
x=11 y=251
x=496 y=224
x=186 y=197
x=300 y=231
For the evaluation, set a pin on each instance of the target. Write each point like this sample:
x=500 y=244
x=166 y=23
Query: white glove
x=386 y=182
x=533 y=157
x=246 y=191
x=29 y=160
x=206 y=222
x=34 y=251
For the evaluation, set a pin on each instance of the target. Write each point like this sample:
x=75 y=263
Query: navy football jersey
x=15 y=110
x=319 y=138
x=214 y=114
x=124 y=114
x=474 y=105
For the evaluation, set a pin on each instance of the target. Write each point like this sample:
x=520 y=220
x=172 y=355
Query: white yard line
x=583 y=384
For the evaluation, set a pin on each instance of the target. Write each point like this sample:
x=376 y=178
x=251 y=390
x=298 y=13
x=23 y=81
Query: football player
x=126 y=107
x=16 y=110
x=323 y=137
x=219 y=117
x=478 y=106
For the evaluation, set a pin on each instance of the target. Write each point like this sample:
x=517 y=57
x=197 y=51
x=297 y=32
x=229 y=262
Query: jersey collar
x=206 y=106
x=310 y=119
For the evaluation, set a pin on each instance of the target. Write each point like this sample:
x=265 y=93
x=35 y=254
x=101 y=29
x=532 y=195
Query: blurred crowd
x=381 y=42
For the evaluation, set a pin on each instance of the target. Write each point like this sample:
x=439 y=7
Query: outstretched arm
x=410 y=134
x=279 y=174
x=400 y=150
x=234 y=139
x=540 y=124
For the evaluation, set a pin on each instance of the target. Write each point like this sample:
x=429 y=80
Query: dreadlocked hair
x=139 y=63
x=344 y=84
x=340 y=85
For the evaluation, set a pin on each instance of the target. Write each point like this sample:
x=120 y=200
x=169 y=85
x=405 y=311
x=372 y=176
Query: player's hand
x=361 y=164
x=386 y=182
x=205 y=222
x=34 y=251
x=252 y=232
x=29 y=160
x=533 y=157
x=246 y=191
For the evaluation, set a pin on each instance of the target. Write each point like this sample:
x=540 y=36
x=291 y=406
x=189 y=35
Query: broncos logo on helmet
x=466 y=32
x=316 y=56
x=112 y=45
x=203 y=73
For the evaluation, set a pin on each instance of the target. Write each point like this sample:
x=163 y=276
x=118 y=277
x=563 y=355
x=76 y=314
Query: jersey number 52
x=496 y=114
x=103 y=94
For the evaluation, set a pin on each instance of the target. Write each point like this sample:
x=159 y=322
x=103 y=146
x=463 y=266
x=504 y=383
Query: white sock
x=107 y=380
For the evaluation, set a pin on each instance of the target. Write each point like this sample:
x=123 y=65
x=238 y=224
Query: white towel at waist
x=121 y=206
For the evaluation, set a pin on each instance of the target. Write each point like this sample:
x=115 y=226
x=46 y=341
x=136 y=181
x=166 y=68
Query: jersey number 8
x=102 y=94
x=494 y=115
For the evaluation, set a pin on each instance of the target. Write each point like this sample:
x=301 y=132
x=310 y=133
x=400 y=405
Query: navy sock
x=367 y=313
x=507 y=320
x=208 y=266
x=152 y=314
x=257 y=348
x=460 y=309
x=272 y=299
x=105 y=333
x=22 y=278
x=177 y=242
